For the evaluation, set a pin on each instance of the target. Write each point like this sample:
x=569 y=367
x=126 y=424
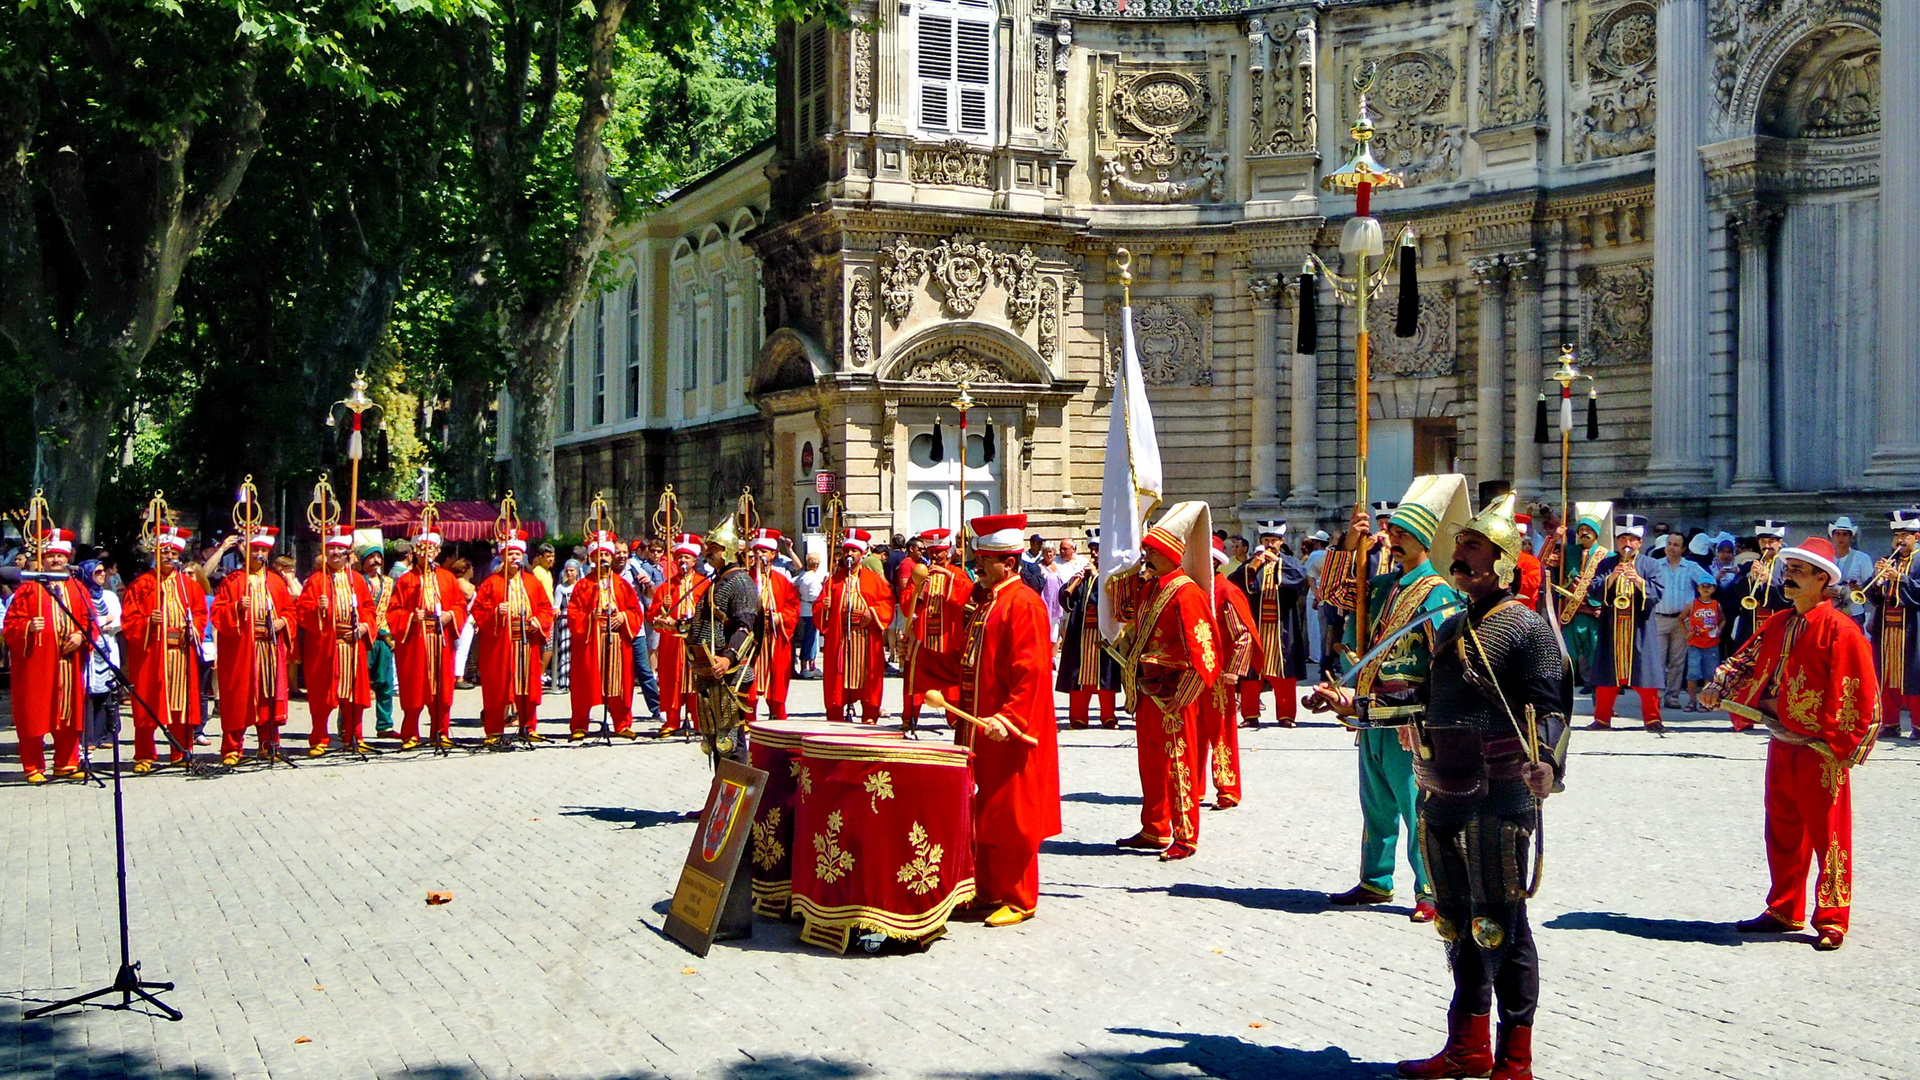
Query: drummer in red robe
x=858 y=605
x=426 y=615
x=1808 y=676
x=1002 y=665
x=1219 y=727
x=253 y=614
x=50 y=655
x=165 y=616
x=936 y=602
x=675 y=604
x=604 y=618
x=779 y=615
x=335 y=612
x=513 y=617
x=1172 y=659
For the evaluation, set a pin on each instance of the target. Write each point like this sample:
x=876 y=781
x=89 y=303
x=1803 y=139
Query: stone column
x=889 y=62
x=1303 y=443
x=1490 y=274
x=1265 y=466
x=1896 y=373
x=1753 y=430
x=1526 y=271
x=1678 y=463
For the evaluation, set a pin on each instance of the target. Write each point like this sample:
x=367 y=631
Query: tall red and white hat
x=999 y=534
x=264 y=537
x=1817 y=552
x=602 y=540
x=687 y=544
x=515 y=541
x=766 y=539
x=856 y=540
x=428 y=536
x=56 y=542
x=937 y=539
x=339 y=537
x=173 y=537
x=1220 y=551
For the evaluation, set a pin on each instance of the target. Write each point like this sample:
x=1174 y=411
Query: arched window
x=633 y=347
x=954 y=69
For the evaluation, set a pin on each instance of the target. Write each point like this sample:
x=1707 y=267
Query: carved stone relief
x=1612 y=95
x=1283 y=113
x=860 y=321
x=962 y=268
x=1620 y=121
x=1827 y=88
x=1432 y=348
x=1622 y=42
x=957 y=365
x=951 y=162
x=1421 y=120
x=1511 y=90
x=1049 y=320
x=1174 y=336
x=901 y=267
x=1044 y=105
x=1616 y=319
x=1758 y=46
x=1158 y=9
x=863 y=39
x=1158 y=127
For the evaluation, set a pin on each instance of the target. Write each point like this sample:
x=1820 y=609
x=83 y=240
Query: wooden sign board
x=701 y=912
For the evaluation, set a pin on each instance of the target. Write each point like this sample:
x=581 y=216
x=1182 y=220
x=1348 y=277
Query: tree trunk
x=531 y=466
x=469 y=456
x=70 y=455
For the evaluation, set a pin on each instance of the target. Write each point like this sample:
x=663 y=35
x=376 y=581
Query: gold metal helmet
x=1496 y=524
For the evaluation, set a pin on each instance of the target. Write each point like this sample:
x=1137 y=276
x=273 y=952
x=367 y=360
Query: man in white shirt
x=1856 y=568
x=1677 y=577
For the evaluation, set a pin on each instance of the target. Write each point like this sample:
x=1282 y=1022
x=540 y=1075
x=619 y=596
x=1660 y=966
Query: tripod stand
x=126 y=982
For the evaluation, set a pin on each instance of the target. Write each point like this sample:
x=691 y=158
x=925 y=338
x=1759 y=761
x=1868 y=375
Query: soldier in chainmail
x=1492 y=745
x=721 y=639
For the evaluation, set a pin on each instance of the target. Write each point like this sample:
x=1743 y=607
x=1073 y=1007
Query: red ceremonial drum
x=774 y=748
x=883 y=838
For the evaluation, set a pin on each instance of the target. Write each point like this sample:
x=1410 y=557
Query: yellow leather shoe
x=1008 y=915
x=364 y=748
x=142 y=768
x=408 y=744
x=230 y=760
x=491 y=740
x=35 y=776
x=444 y=742
x=533 y=736
x=628 y=734
x=578 y=736
x=317 y=751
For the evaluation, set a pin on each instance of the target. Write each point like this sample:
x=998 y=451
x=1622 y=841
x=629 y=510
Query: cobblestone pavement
x=289 y=907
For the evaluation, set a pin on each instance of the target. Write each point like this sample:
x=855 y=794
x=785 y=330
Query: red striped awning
x=398 y=519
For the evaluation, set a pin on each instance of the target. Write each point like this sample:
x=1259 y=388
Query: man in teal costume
x=1385 y=694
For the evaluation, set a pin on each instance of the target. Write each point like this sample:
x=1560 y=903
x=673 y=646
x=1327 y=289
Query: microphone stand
x=126 y=982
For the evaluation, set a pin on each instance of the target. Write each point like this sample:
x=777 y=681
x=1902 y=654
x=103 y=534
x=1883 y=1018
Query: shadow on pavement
x=622 y=815
x=1083 y=847
x=1222 y=1056
x=1291 y=901
x=58 y=1046
x=1698 y=931
x=1102 y=798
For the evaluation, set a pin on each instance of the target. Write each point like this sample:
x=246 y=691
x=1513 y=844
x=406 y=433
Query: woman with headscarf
x=563 y=643
x=103 y=693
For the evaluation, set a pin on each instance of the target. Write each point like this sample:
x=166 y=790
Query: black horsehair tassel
x=987 y=452
x=1408 y=319
x=1309 y=342
x=939 y=452
x=1540 y=419
x=1593 y=415
x=381 y=458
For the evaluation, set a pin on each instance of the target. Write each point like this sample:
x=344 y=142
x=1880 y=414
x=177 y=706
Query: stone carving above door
x=1616 y=313
x=1420 y=108
x=1611 y=92
x=1433 y=348
x=1158 y=132
x=1174 y=336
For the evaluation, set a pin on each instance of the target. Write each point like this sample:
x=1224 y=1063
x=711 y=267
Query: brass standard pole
x=1361 y=393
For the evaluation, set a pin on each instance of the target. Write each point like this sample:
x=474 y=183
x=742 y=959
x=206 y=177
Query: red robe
x=676 y=602
x=335 y=669
x=1818 y=670
x=163 y=661
x=1528 y=580
x=939 y=612
x=855 y=628
x=603 y=668
x=1002 y=665
x=1219 y=728
x=252 y=665
x=1174 y=658
x=511 y=644
x=49 y=680
x=423 y=660
x=773 y=663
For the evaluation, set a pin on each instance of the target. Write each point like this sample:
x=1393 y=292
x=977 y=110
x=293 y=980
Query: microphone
x=13 y=576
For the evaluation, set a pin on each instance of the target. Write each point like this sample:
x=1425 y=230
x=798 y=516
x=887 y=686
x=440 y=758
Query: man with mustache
x=513 y=618
x=50 y=656
x=1808 y=677
x=165 y=616
x=426 y=617
x=1893 y=601
x=1490 y=747
x=1619 y=661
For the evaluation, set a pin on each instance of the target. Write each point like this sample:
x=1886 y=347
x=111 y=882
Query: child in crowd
x=1703 y=620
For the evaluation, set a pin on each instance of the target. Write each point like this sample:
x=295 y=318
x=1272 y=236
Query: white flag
x=1130 y=487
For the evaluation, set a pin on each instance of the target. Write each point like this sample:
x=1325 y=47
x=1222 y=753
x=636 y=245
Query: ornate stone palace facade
x=1691 y=192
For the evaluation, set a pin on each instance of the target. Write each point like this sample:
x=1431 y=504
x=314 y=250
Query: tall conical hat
x=1496 y=524
x=1433 y=509
x=1597 y=516
x=1185 y=532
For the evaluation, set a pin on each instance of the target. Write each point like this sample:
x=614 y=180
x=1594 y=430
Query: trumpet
x=1752 y=602
x=1624 y=579
x=1889 y=571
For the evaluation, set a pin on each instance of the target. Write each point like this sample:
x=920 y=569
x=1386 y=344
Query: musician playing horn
x=1625 y=588
x=426 y=615
x=1762 y=592
x=50 y=663
x=165 y=618
x=253 y=633
x=1893 y=595
x=603 y=618
x=335 y=612
x=513 y=618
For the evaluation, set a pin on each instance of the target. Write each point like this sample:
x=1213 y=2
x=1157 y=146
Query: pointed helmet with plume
x=1496 y=523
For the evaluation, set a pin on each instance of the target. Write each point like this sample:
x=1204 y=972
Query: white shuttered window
x=954 y=69
x=810 y=81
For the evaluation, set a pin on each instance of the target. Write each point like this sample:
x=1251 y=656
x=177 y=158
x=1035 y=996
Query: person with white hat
x=779 y=618
x=513 y=618
x=252 y=622
x=1275 y=586
x=1172 y=657
x=858 y=606
x=603 y=619
x=1808 y=677
x=427 y=616
x=676 y=602
x=50 y=658
x=165 y=615
x=335 y=614
x=1761 y=592
x=936 y=603
x=1894 y=598
x=1626 y=587
x=1085 y=669
x=1856 y=567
